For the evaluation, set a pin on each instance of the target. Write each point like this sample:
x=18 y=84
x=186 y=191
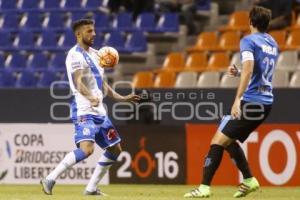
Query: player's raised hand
x=232 y=70
x=94 y=101
x=236 y=109
x=132 y=98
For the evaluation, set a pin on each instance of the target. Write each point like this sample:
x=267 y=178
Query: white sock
x=68 y=161
x=102 y=167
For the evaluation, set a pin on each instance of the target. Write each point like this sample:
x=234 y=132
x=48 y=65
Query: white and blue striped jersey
x=263 y=50
x=78 y=58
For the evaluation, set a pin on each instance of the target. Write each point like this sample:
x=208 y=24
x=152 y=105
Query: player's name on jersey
x=269 y=50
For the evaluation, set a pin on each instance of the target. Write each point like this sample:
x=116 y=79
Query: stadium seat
x=92 y=4
x=238 y=21
x=37 y=62
x=143 y=80
x=27 y=79
x=218 y=61
x=279 y=36
x=55 y=20
x=168 y=22
x=101 y=22
x=196 y=61
x=69 y=39
x=5 y=40
x=9 y=4
x=76 y=15
x=208 y=80
x=165 y=79
x=10 y=21
x=98 y=42
x=26 y=40
x=2 y=62
x=57 y=62
x=295 y=80
x=296 y=25
x=146 y=22
x=186 y=80
x=115 y=39
x=280 y=79
x=71 y=4
x=136 y=42
x=173 y=62
x=123 y=22
x=52 y=4
x=46 y=79
x=48 y=40
x=229 y=41
x=206 y=41
x=16 y=61
x=287 y=60
x=229 y=81
x=34 y=21
x=30 y=4
x=7 y=78
x=293 y=41
x=236 y=59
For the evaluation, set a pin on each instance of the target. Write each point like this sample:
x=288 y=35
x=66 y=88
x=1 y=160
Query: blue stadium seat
x=69 y=39
x=11 y=21
x=2 y=62
x=52 y=4
x=27 y=80
x=98 y=42
x=49 y=40
x=123 y=22
x=136 y=42
x=38 y=62
x=5 y=40
x=101 y=22
x=92 y=4
x=34 y=21
x=71 y=4
x=146 y=22
x=204 y=5
x=76 y=15
x=168 y=22
x=17 y=62
x=46 y=79
x=57 y=62
x=26 y=40
x=8 y=4
x=56 y=21
x=30 y=4
x=115 y=39
x=7 y=78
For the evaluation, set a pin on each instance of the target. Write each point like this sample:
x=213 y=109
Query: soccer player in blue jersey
x=89 y=116
x=259 y=54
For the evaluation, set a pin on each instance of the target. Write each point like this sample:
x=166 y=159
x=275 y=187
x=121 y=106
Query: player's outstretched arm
x=79 y=80
x=246 y=73
x=118 y=97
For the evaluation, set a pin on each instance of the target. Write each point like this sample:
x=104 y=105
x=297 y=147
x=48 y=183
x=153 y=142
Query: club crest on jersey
x=86 y=131
x=111 y=134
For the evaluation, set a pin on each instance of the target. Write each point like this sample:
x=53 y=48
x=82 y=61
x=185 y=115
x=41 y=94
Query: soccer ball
x=109 y=57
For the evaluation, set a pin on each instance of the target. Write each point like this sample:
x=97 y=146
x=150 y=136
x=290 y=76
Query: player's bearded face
x=88 y=36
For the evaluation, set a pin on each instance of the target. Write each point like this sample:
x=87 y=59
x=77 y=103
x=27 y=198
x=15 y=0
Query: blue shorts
x=97 y=129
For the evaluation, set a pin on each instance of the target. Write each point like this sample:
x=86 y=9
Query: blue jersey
x=265 y=54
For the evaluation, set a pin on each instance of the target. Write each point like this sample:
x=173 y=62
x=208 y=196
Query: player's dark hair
x=81 y=22
x=260 y=18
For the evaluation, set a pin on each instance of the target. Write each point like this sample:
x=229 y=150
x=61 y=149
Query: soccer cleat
x=247 y=186
x=203 y=191
x=96 y=192
x=47 y=186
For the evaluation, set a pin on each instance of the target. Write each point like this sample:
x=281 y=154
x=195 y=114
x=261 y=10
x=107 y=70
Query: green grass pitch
x=138 y=192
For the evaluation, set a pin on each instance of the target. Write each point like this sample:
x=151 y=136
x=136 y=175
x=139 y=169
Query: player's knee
x=88 y=150
x=115 y=150
x=221 y=139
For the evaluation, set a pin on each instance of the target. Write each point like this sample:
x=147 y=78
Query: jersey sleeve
x=246 y=45
x=76 y=62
